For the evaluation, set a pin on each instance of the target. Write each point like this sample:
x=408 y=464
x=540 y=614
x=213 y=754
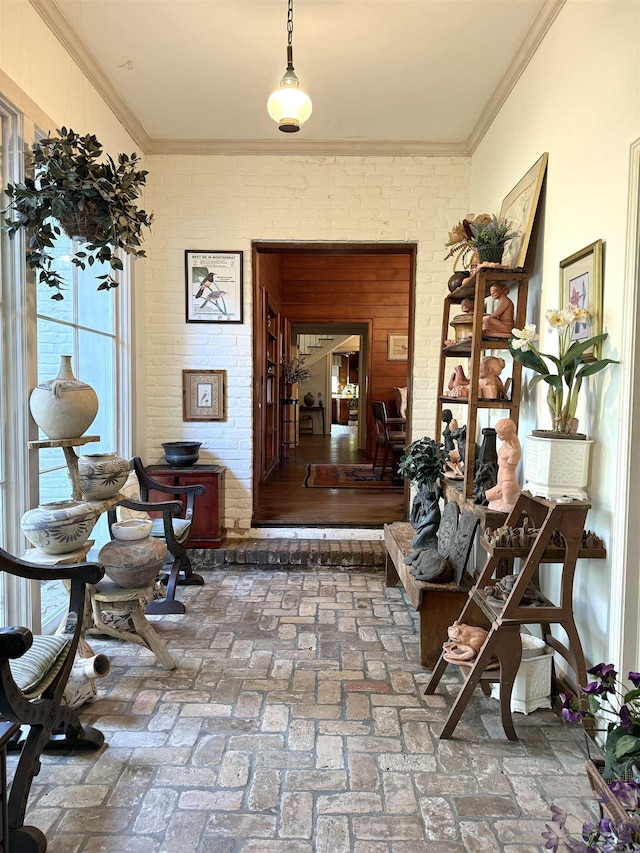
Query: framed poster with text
x=213 y=286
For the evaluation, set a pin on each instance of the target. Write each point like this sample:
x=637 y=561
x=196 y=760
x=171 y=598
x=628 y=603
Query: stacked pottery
x=59 y=527
x=133 y=559
x=102 y=475
x=63 y=407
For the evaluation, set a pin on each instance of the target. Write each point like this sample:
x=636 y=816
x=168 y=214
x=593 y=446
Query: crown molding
x=67 y=36
x=69 y=39
x=310 y=147
x=523 y=57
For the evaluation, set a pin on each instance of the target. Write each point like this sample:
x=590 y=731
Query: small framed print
x=213 y=284
x=203 y=395
x=581 y=287
x=397 y=347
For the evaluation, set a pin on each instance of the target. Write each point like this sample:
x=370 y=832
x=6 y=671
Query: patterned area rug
x=348 y=477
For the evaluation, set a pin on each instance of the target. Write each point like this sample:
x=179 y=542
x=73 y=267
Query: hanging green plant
x=90 y=197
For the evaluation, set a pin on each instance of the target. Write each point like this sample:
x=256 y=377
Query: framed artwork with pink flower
x=581 y=289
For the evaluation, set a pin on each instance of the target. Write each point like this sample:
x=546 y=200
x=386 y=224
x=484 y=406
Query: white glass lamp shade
x=289 y=105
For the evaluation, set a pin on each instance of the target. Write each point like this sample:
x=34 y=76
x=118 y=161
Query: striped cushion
x=36 y=669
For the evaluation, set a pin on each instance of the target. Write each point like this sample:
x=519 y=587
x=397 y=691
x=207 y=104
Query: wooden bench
x=438 y=604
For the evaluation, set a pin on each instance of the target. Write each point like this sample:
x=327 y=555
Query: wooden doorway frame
x=263 y=247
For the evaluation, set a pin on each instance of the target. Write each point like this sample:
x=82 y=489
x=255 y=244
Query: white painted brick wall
x=226 y=202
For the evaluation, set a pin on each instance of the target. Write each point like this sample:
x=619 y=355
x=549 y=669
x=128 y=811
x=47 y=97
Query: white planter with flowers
x=557 y=462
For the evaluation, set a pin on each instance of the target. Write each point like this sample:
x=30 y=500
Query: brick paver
x=295 y=722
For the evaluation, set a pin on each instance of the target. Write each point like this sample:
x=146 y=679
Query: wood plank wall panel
x=270 y=277
x=344 y=288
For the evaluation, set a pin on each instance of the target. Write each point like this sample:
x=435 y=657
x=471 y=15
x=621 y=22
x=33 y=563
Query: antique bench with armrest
x=33 y=675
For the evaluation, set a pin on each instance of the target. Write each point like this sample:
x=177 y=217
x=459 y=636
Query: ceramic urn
x=63 y=407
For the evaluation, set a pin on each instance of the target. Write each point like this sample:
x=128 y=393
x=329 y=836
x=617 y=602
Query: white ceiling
x=385 y=76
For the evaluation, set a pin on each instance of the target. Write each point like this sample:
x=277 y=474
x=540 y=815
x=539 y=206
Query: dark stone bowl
x=181 y=454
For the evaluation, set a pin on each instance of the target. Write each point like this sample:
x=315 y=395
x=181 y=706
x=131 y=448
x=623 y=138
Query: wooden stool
x=306 y=423
x=107 y=596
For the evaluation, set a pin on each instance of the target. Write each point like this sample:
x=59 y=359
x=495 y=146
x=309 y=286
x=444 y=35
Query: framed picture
x=397 y=347
x=203 y=395
x=213 y=283
x=519 y=209
x=581 y=287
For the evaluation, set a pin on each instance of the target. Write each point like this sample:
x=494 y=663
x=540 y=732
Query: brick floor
x=296 y=723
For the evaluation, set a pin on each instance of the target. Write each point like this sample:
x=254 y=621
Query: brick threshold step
x=295 y=553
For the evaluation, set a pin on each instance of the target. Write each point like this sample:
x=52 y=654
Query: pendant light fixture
x=289 y=105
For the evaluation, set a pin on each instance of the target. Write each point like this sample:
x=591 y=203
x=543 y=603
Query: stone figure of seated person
x=500 y=323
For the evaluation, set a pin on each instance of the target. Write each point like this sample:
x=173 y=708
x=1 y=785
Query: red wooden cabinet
x=207 y=529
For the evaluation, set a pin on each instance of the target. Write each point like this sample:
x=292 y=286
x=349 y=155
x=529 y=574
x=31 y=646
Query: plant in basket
x=610 y=702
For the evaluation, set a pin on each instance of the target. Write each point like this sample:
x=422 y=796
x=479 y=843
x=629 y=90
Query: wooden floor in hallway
x=283 y=499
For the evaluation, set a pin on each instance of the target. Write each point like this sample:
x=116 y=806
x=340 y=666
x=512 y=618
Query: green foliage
x=423 y=462
x=491 y=232
x=90 y=197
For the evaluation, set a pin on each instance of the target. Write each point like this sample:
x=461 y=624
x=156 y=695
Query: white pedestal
x=557 y=467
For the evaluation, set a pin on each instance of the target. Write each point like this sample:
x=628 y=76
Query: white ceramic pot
x=557 y=467
x=132 y=529
x=102 y=475
x=60 y=527
x=63 y=407
x=133 y=564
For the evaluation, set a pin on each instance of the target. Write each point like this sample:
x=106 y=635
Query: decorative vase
x=63 y=407
x=309 y=399
x=181 y=454
x=457 y=279
x=490 y=254
x=135 y=563
x=59 y=527
x=132 y=529
x=102 y=475
x=557 y=466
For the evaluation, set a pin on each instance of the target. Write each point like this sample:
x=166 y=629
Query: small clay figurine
x=447 y=439
x=458 y=383
x=506 y=492
x=464 y=643
x=500 y=323
x=490 y=386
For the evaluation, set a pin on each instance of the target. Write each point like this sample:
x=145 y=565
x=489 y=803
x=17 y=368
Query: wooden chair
x=391 y=434
x=33 y=675
x=173 y=527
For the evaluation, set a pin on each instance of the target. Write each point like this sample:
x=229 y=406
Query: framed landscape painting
x=213 y=284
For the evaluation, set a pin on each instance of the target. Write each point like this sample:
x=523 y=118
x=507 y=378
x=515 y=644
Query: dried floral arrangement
x=294 y=370
x=460 y=238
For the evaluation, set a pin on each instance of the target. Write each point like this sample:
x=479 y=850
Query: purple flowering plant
x=610 y=701
x=605 y=836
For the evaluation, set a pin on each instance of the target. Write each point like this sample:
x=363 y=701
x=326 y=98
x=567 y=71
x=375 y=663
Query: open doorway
x=366 y=292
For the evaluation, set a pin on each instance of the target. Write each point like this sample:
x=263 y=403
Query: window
x=92 y=326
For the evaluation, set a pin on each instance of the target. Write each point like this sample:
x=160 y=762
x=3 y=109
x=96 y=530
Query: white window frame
x=19 y=358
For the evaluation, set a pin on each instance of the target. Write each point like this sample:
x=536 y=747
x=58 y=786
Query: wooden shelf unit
x=270 y=402
x=477 y=287
x=503 y=622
